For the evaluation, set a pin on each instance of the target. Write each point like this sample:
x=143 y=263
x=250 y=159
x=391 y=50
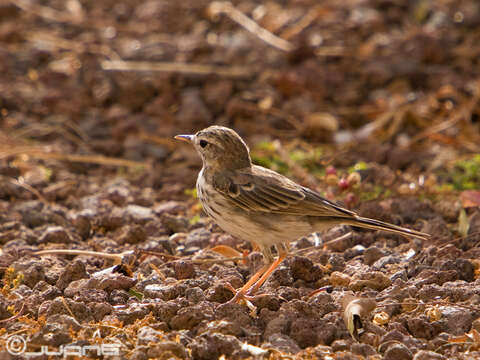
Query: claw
x=238 y=295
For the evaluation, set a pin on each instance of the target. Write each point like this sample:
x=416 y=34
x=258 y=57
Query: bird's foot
x=239 y=295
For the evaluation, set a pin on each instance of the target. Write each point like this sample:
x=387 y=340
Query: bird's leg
x=266 y=274
x=242 y=293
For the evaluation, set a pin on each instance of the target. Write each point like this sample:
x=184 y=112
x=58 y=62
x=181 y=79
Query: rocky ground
x=375 y=104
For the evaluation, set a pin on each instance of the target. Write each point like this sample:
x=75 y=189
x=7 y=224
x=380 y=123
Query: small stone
x=302 y=329
x=278 y=325
x=191 y=316
x=112 y=220
x=219 y=293
x=174 y=224
x=303 y=268
x=100 y=310
x=402 y=274
x=66 y=320
x=111 y=281
x=139 y=214
x=283 y=343
x=197 y=238
x=165 y=310
x=458 y=320
x=224 y=327
x=211 y=346
x=374 y=280
x=384 y=261
x=77 y=286
x=428 y=355
x=282 y=276
x=340 y=345
x=339 y=279
x=55 y=234
x=147 y=335
x=166 y=350
x=73 y=271
x=336 y=262
x=420 y=327
x=364 y=350
x=268 y=301
x=83 y=226
x=324 y=303
x=59 y=306
x=118 y=194
x=353 y=252
x=170 y=207
x=164 y=292
x=372 y=254
x=184 y=269
x=131 y=314
x=398 y=351
x=132 y=234
x=195 y=295
x=33 y=271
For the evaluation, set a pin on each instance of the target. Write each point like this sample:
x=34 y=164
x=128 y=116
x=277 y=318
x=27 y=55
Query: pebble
x=398 y=351
x=139 y=214
x=56 y=235
x=428 y=355
x=184 y=269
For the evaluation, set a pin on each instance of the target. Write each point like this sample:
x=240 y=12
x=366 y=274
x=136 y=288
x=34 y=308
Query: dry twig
x=14 y=317
x=304 y=22
x=158 y=271
x=28 y=187
x=89 y=159
x=197 y=69
x=68 y=308
x=240 y=18
x=117 y=258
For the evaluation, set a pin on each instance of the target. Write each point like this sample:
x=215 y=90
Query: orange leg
x=242 y=293
x=266 y=274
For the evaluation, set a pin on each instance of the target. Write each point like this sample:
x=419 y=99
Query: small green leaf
x=361 y=165
x=191 y=192
x=194 y=219
x=135 y=293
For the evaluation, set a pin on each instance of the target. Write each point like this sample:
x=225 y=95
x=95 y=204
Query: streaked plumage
x=257 y=204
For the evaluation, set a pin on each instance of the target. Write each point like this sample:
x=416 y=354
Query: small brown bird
x=259 y=205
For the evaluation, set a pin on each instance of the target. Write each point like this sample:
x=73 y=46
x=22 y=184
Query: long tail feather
x=380 y=225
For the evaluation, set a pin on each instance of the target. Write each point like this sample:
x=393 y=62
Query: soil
x=375 y=104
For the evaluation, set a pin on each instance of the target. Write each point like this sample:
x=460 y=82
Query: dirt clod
x=372 y=104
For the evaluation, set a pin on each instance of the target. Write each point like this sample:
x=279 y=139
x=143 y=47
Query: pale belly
x=263 y=228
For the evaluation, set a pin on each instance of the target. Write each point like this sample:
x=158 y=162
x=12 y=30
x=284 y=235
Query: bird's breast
x=261 y=227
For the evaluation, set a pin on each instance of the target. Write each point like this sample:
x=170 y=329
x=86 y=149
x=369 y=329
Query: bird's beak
x=186 y=138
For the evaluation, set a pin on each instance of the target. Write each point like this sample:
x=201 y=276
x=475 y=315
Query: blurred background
x=373 y=103
x=387 y=81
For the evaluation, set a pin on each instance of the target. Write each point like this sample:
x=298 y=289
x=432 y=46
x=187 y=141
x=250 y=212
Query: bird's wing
x=263 y=190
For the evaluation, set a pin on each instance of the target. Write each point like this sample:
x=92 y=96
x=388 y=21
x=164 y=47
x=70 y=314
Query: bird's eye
x=203 y=143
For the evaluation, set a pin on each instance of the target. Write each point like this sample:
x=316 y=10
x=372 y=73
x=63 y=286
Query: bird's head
x=220 y=148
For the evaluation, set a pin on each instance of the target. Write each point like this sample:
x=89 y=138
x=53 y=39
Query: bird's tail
x=380 y=225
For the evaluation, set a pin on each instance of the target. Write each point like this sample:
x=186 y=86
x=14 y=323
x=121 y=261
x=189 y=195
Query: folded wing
x=262 y=190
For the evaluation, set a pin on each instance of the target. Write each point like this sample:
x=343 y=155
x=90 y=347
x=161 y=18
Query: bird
x=256 y=204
